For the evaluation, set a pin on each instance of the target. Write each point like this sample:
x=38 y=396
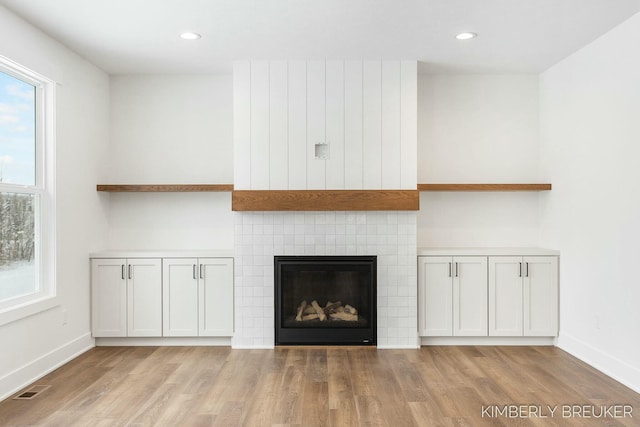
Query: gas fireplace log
x=301 y=310
x=331 y=306
x=332 y=310
x=350 y=310
x=345 y=316
x=319 y=310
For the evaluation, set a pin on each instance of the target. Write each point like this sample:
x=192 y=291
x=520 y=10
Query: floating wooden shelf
x=484 y=187
x=325 y=200
x=164 y=188
x=320 y=200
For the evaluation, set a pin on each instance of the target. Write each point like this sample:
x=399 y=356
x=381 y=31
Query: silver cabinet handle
x=449 y=269
x=130 y=272
x=122 y=271
x=194 y=272
x=456 y=269
x=520 y=270
x=201 y=271
x=527 y=272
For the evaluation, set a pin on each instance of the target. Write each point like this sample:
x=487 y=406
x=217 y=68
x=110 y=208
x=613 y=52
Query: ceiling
x=142 y=36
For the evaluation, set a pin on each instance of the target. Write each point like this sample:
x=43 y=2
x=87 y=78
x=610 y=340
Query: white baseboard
x=605 y=363
x=397 y=347
x=549 y=341
x=164 y=341
x=253 y=347
x=16 y=380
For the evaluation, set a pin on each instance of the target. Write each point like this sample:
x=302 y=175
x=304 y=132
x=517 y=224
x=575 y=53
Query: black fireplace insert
x=325 y=300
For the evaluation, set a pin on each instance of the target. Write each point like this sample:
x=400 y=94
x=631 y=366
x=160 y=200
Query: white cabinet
x=180 y=297
x=505 y=296
x=197 y=297
x=490 y=292
x=161 y=294
x=523 y=296
x=215 y=315
x=126 y=296
x=108 y=298
x=452 y=296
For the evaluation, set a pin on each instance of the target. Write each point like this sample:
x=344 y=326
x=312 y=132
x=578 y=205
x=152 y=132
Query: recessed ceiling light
x=466 y=36
x=190 y=36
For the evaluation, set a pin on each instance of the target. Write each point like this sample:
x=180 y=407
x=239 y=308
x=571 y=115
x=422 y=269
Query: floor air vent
x=32 y=392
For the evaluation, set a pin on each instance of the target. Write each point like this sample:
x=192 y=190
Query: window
x=27 y=276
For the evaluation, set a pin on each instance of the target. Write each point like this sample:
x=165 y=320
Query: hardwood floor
x=324 y=386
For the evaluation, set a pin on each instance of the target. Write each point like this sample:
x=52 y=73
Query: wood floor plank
x=235 y=382
x=514 y=378
x=315 y=404
x=370 y=411
x=288 y=396
x=261 y=408
x=395 y=408
x=339 y=379
x=231 y=414
x=413 y=387
x=362 y=378
x=346 y=416
x=322 y=386
x=423 y=413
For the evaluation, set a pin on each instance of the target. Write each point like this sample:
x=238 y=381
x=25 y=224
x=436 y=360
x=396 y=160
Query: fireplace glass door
x=325 y=300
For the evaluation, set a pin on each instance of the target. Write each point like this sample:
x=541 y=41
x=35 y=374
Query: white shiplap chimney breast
x=360 y=118
x=365 y=111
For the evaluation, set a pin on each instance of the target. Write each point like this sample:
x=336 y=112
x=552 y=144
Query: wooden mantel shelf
x=325 y=200
x=164 y=188
x=484 y=187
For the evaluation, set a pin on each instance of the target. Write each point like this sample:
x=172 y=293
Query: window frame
x=45 y=296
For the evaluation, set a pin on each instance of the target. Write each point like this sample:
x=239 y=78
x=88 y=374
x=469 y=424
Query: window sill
x=29 y=308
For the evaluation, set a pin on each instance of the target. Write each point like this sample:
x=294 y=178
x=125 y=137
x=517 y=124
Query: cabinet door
x=541 y=296
x=180 y=297
x=505 y=296
x=470 y=296
x=435 y=296
x=108 y=298
x=215 y=297
x=144 y=298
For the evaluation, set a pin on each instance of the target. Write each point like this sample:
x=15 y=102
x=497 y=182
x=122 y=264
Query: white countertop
x=458 y=251
x=423 y=251
x=169 y=253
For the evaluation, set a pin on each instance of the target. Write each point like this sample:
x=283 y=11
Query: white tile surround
x=389 y=235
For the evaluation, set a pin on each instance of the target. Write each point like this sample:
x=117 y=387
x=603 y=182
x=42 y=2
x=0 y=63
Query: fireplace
x=325 y=300
x=259 y=236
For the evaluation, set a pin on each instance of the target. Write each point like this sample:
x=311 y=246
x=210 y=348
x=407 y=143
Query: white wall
x=35 y=345
x=478 y=129
x=171 y=130
x=590 y=146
